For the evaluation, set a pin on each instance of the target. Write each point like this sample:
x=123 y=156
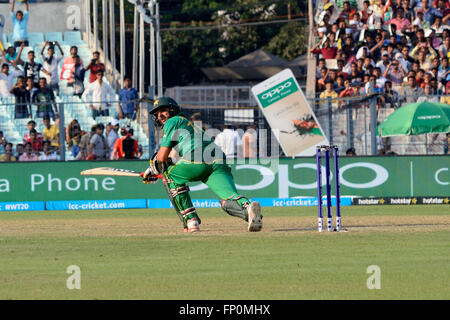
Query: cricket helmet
x=164 y=102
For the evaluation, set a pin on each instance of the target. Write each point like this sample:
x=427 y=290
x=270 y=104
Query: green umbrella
x=417 y=118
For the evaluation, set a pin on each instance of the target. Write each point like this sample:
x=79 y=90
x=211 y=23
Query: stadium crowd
x=402 y=47
x=29 y=83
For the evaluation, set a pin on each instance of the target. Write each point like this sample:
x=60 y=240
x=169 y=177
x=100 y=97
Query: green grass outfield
x=144 y=254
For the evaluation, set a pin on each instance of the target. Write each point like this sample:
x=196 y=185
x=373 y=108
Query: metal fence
x=347 y=123
x=69 y=108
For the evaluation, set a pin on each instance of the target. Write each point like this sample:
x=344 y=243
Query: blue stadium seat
x=54 y=36
x=35 y=37
x=72 y=37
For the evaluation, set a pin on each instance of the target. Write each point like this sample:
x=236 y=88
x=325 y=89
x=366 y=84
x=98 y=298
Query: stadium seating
x=73 y=37
x=35 y=37
x=74 y=107
x=54 y=36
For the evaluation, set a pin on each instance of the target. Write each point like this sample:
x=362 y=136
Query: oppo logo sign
x=267 y=177
x=277 y=90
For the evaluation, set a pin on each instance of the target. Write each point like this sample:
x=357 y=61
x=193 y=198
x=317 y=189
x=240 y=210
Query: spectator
x=77 y=80
x=428 y=95
x=84 y=143
x=44 y=98
x=426 y=80
x=7 y=80
x=408 y=13
x=444 y=48
x=32 y=90
x=385 y=59
x=36 y=143
x=351 y=152
x=319 y=67
x=395 y=74
x=390 y=96
x=400 y=21
x=32 y=69
x=365 y=12
x=95 y=66
x=22 y=99
x=326 y=51
x=444 y=71
x=128 y=97
x=76 y=145
x=339 y=84
x=20 y=23
x=411 y=92
x=69 y=63
x=47 y=153
x=348 y=91
x=347 y=12
x=28 y=155
x=112 y=135
x=403 y=58
x=3 y=143
x=354 y=72
x=228 y=140
x=437 y=27
x=420 y=77
x=320 y=83
x=125 y=147
x=376 y=87
x=51 y=64
x=98 y=147
x=8 y=156
x=429 y=13
x=329 y=93
x=100 y=93
x=438 y=88
x=13 y=57
x=30 y=126
x=51 y=132
x=19 y=150
x=432 y=41
x=250 y=142
x=72 y=130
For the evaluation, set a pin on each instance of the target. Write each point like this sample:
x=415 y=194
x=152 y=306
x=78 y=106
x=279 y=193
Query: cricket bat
x=105 y=171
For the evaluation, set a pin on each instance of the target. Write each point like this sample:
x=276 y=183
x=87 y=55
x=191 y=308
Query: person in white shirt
x=249 y=142
x=100 y=93
x=7 y=80
x=111 y=135
x=47 y=153
x=228 y=140
x=444 y=48
x=51 y=65
x=384 y=62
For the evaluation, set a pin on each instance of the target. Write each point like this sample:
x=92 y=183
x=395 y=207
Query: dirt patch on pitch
x=151 y=226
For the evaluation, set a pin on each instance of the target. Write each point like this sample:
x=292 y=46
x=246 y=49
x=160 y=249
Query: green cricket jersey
x=191 y=142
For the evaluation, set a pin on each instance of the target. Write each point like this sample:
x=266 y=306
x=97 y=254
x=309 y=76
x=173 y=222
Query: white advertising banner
x=289 y=114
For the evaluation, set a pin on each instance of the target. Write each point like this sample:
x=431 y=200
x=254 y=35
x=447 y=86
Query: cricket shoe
x=193 y=225
x=254 y=217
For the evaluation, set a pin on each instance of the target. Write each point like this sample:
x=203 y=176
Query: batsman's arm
x=163 y=154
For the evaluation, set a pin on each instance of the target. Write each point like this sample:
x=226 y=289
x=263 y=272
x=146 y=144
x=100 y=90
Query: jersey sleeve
x=168 y=132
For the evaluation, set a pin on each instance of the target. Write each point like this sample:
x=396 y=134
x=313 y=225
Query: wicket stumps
x=327 y=150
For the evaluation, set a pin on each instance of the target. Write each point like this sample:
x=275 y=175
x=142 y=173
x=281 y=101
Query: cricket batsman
x=200 y=160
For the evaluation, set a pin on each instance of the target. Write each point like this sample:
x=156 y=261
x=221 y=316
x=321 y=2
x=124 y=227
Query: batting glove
x=149 y=176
